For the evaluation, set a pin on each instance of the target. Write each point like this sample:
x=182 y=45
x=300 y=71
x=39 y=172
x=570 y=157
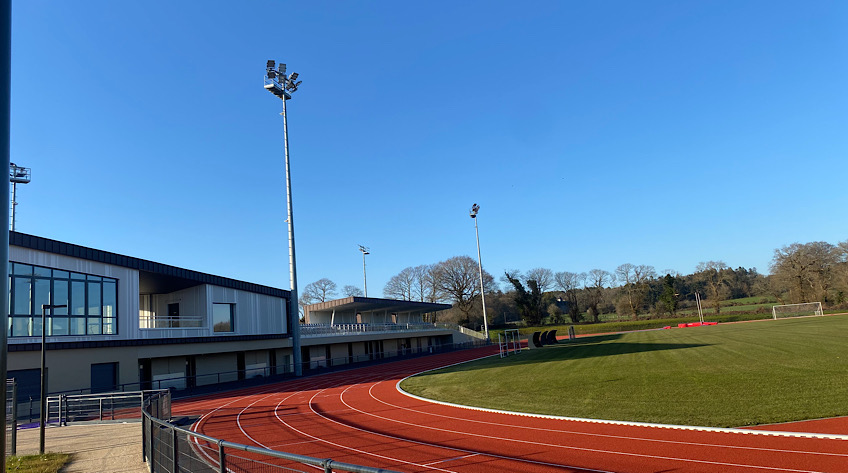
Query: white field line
x=728 y=430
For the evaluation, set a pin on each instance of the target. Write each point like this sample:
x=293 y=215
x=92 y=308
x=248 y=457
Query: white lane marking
x=618 y=422
x=384 y=457
x=567 y=447
x=592 y=434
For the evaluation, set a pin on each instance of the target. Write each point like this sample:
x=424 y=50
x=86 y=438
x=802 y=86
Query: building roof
x=153 y=277
x=371 y=304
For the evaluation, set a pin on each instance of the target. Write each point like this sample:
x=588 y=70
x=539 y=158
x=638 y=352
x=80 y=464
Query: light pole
x=17 y=175
x=474 y=209
x=364 y=251
x=43 y=407
x=281 y=85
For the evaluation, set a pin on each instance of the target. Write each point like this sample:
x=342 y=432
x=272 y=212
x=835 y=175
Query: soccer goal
x=796 y=310
x=508 y=341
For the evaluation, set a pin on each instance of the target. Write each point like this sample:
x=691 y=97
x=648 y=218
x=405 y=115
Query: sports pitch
x=727 y=375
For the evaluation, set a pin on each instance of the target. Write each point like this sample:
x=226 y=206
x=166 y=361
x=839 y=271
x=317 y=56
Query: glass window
x=41 y=295
x=77 y=326
x=20 y=326
x=88 y=298
x=94 y=325
x=78 y=298
x=109 y=327
x=94 y=301
x=23 y=289
x=222 y=317
x=110 y=298
x=60 y=326
x=22 y=269
x=60 y=296
x=35 y=326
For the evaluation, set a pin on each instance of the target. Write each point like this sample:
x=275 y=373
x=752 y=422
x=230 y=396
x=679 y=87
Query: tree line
x=809 y=272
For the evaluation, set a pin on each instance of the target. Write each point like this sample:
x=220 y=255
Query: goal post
x=805 y=309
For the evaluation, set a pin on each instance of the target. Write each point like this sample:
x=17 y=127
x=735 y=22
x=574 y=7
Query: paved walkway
x=97 y=448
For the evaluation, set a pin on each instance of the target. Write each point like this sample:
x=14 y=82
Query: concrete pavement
x=96 y=448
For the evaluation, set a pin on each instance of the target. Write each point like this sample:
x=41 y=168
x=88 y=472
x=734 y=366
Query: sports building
x=135 y=324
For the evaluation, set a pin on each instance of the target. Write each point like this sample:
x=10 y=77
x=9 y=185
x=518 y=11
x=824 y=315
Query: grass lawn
x=725 y=375
x=47 y=463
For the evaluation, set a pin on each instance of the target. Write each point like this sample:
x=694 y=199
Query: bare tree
x=569 y=283
x=544 y=277
x=714 y=276
x=635 y=280
x=320 y=290
x=352 y=291
x=806 y=271
x=400 y=286
x=596 y=281
x=459 y=279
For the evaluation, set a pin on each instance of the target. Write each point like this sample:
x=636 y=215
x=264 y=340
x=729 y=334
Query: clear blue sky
x=591 y=133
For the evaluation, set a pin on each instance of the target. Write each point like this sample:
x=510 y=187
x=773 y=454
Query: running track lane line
x=592 y=450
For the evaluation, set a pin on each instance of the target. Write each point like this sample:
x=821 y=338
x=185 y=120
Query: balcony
x=152 y=321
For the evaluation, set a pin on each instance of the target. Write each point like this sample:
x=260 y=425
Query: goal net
x=796 y=310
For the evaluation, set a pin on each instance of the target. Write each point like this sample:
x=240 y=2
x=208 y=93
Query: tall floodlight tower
x=282 y=86
x=365 y=251
x=474 y=209
x=17 y=175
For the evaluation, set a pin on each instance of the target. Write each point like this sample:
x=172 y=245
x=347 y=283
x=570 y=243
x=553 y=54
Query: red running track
x=359 y=416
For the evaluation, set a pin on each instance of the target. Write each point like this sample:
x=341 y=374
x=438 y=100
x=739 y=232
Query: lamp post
x=43 y=407
x=17 y=175
x=364 y=251
x=282 y=86
x=474 y=209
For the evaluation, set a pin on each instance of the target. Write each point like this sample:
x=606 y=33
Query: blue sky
x=591 y=133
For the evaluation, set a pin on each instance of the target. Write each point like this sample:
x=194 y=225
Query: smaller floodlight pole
x=42 y=411
x=283 y=86
x=17 y=175
x=474 y=209
x=364 y=251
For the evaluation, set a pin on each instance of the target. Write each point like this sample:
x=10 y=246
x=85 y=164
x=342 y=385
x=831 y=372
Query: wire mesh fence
x=171 y=449
x=11 y=417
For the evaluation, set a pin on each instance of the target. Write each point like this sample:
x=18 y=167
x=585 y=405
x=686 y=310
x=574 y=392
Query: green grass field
x=725 y=376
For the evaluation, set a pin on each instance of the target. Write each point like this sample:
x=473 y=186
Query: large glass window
x=92 y=302
x=222 y=317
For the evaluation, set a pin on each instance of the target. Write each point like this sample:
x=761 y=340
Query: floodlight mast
x=365 y=251
x=282 y=86
x=17 y=175
x=474 y=209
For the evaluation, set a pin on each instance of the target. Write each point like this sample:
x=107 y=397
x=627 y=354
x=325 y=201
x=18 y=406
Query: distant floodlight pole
x=364 y=251
x=17 y=175
x=281 y=85
x=474 y=209
x=42 y=411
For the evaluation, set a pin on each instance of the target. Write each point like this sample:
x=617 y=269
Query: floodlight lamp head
x=474 y=209
x=282 y=68
x=364 y=250
x=269 y=64
x=293 y=76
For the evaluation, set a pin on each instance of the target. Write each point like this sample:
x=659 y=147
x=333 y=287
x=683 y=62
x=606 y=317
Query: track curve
x=359 y=416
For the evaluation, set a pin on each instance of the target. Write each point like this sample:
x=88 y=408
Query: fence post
x=14 y=439
x=174 y=451
x=222 y=461
x=143 y=436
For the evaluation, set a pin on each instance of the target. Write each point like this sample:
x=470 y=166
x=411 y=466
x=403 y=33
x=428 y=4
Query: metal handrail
x=151 y=438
